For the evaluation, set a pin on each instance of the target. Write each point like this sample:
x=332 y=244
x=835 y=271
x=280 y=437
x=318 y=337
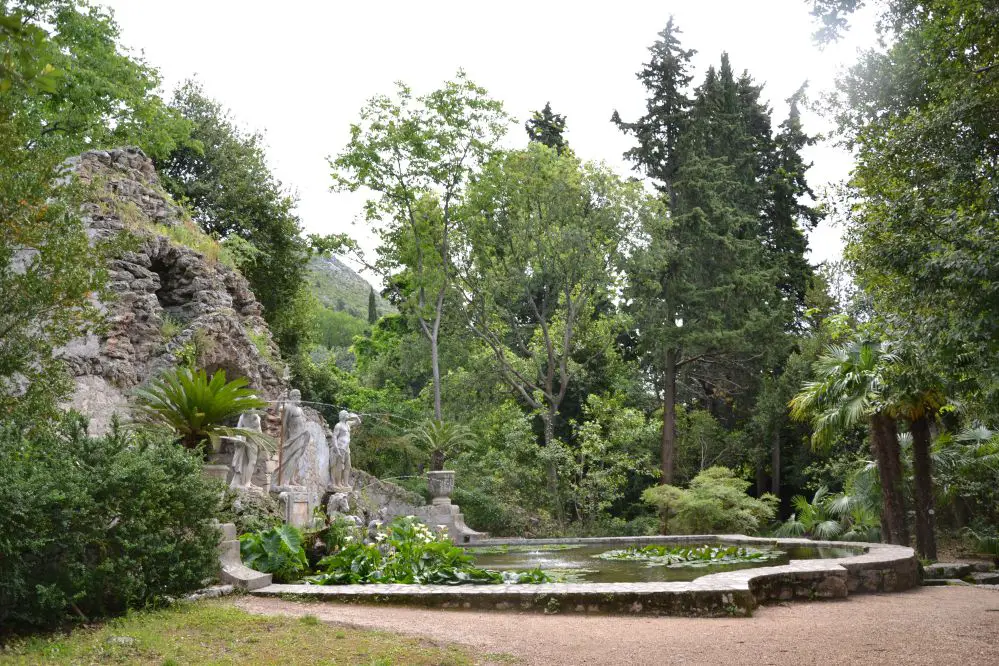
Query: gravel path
x=930 y=625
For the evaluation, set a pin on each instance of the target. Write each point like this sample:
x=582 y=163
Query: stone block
x=947 y=570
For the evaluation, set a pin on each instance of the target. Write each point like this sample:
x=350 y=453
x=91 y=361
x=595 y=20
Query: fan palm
x=442 y=439
x=849 y=391
x=196 y=407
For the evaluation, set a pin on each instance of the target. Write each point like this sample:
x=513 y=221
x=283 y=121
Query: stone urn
x=441 y=485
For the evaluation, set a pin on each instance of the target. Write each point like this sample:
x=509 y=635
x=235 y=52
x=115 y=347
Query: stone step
x=939 y=582
x=947 y=570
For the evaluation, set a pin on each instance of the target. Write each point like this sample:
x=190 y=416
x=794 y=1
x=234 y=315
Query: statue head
x=294 y=396
x=343 y=415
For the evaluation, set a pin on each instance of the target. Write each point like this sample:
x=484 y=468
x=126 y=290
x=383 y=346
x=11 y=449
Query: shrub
x=277 y=551
x=716 y=502
x=196 y=407
x=94 y=526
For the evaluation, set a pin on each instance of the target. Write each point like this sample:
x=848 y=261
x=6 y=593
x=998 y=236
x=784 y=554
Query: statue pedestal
x=449 y=517
x=296 y=504
x=220 y=472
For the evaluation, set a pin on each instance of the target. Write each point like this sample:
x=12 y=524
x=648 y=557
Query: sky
x=300 y=71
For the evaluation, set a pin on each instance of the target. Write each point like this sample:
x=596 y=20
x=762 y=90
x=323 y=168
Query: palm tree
x=849 y=391
x=196 y=408
x=442 y=439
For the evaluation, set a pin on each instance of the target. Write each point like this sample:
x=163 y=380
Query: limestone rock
x=169 y=301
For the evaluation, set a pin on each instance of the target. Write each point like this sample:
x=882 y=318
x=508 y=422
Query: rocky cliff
x=170 y=301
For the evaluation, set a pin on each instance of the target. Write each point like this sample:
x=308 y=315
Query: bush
x=94 y=526
x=716 y=502
x=275 y=551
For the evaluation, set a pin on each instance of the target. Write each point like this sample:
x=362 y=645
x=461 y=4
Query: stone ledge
x=879 y=568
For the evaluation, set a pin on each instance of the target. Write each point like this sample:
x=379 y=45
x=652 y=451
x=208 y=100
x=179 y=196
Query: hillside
x=339 y=287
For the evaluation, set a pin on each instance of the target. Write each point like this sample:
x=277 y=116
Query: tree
x=923 y=234
x=657 y=133
x=372 y=307
x=416 y=156
x=700 y=290
x=48 y=269
x=849 y=390
x=545 y=238
x=224 y=180
x=547 y=128
x=105 y=97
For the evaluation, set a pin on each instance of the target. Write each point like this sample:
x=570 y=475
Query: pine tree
x=547 y=128
x=712 y=276
x=658 y=132
x=372 y=307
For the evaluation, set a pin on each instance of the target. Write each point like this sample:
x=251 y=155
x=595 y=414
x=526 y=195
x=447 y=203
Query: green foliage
x=48 y=270
x=277 y=551
x=715 y=502
x=416 y=157
x=689 y=556
x=95 y=526
x=828 y=517
x=406 y=551
x=921 y=203
x=547 y=128
x=96 y=93
x=196 y=408
x=337 y=328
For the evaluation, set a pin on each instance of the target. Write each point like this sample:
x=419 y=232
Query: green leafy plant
x=407 y=551
x=442 y=439
x=716 y=501
x=196 y=408
x=275 y=551
x=95 y=526
x=696 y=556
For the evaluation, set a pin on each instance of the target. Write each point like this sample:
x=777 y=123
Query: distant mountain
x=339 y=287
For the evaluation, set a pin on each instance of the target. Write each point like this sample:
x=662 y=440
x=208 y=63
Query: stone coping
x=875 y=568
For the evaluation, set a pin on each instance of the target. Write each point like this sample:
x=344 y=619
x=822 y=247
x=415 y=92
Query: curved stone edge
x=232 y=570
x=879 y=568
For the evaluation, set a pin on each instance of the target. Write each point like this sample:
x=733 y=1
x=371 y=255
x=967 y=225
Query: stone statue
x=297 y=440
x=340 y=450
x=244 y=460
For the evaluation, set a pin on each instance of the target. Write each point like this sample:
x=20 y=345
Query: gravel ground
x=929 y=625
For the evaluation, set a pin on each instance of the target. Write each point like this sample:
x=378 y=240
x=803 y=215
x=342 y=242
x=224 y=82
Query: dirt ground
x=929 y=625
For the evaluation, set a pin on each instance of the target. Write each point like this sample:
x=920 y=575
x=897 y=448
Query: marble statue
x=340 y=450
x=298 y=438
x=244 y=459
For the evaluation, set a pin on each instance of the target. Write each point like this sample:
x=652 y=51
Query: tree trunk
x=669 y=418
x=926 y=543
x=884 y=443
x=775 y=463
x=436 y=365
x=551 y=469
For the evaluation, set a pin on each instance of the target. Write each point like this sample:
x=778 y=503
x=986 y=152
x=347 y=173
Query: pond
x=584 y=564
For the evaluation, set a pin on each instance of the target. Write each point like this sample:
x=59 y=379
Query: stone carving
x=297 y=440
x=340 y=450
x=244 y=459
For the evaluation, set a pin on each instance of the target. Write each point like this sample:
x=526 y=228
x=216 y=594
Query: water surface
x=579 y=564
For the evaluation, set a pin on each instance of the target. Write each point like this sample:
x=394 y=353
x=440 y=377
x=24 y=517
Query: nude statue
x=297 y=439
x=244 y=460
x=340 y=450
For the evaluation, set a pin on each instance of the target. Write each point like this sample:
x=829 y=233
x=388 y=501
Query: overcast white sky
x=301 y=70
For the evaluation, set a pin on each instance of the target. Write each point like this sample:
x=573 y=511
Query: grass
x=215 y=632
